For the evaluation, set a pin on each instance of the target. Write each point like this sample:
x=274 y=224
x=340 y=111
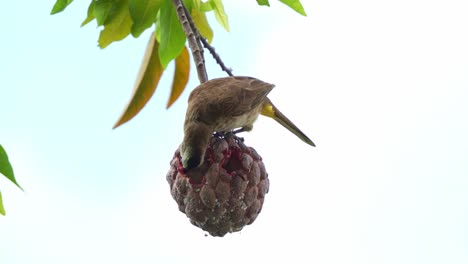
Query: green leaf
x=157 y=31
x=263 y=2
x=219 y=13
x=90 y=16
x=188 y=4
x=146 y=83
x=199 y=18
x=2 y=209
x=197 y=4
x=60 y=5
x=5 y=167
x=206 y=7
x=104 y=10
x=143 y=13
x=295 y=5
x=118 y=26
x=181 y=76
x=172 y=36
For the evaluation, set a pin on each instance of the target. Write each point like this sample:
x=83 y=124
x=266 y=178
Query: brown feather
x=225 y=101
x=222 y=105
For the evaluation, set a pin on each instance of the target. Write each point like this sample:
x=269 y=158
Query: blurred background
x=381 y=87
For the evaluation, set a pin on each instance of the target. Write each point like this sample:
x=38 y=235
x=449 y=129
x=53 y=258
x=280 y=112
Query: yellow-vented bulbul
x=222 y=105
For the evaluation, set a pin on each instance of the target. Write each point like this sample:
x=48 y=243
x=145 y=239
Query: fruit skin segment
x=226 y=192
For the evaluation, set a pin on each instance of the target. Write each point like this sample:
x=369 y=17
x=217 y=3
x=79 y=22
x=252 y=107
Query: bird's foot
x=234 y=135
x=239 y=130
x=230 y=134
x=223 y=134
x=219 y=134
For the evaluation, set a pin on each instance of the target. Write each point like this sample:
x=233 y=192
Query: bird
x=222 y=105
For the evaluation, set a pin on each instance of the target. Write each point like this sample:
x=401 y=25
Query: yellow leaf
x=199 y=18
x=181 y=76
x=148 y=78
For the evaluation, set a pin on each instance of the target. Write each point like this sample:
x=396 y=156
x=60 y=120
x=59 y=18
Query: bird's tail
x=271 y=111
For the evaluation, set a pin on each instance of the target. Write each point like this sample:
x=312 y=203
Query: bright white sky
x=380 y=86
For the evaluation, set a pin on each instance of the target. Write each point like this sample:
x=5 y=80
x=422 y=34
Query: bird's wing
x=242 y=95
x=227 y=97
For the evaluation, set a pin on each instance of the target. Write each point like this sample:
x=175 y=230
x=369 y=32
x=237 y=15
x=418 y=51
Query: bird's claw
x=219 y=134
x=230 y=134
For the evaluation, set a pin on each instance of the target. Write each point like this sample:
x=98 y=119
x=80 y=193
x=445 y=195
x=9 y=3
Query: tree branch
x=194 y=29
x=193 y=41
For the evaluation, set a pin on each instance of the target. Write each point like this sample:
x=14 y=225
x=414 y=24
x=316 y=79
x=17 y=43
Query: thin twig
x=194 y=45
x=216 y=56
x=206 y=44
x=194 y=38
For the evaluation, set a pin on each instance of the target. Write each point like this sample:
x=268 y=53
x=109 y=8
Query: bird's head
x=190 y=162
x=193 y=148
